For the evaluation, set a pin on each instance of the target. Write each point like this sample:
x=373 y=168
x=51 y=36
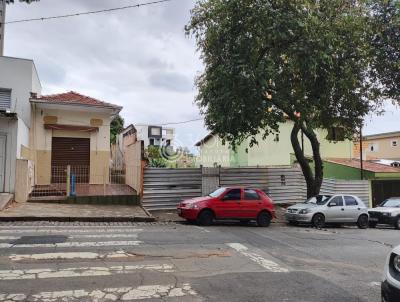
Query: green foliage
x=117 y=125
x=157 y=163
x=386 y=46
x=267 y=60
x=26 y=1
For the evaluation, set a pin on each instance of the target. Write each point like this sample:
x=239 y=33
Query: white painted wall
x=21 y=77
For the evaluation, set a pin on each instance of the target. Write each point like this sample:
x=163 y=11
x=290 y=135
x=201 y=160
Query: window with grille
x=5 y=99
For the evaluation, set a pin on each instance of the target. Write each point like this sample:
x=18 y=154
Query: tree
x=117 y=125
x=275 y=60
x=385 y=39
x=154 y=154
x=26 y=1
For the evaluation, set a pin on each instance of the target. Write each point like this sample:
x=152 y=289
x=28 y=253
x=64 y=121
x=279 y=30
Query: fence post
x=104 y=180
x=68 y=181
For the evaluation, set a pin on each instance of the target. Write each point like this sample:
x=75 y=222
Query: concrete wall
x=24 y=179
x=21 y=77
x=272 y=151
x=71 y=115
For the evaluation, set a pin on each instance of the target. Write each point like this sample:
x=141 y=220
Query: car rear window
x=250 y=194
x=350 y=201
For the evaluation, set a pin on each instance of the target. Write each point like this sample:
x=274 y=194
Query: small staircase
x=47 y=191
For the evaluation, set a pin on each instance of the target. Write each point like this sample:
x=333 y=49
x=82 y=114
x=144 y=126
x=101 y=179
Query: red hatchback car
x=235 y=203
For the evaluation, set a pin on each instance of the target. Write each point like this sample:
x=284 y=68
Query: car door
x=251 y=204
x=335 y=209
x=352 y=209
x=229 y=204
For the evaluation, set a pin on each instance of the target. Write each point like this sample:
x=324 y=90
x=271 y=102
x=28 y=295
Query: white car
x=391 y=279
x=388 y=212
x=323 y=209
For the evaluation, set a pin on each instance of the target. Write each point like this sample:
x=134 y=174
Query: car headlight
x=396 y=263
x=193 y=206
x=304 y=211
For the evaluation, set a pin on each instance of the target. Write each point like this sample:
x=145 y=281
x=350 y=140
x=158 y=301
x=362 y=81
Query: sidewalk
x=74 y=212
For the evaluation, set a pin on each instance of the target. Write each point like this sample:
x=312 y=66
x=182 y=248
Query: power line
x=183 y=122
x=88 y=12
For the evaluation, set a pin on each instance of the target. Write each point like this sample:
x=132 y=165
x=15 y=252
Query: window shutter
x=5 y=99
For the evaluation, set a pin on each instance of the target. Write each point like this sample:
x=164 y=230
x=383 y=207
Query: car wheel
x=264 y=219
x=397 y=223
x=362 y=222
x=318 y=221
x=372 y=225
x=205 y=218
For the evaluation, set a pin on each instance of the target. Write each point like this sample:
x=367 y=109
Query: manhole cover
x=49 y=239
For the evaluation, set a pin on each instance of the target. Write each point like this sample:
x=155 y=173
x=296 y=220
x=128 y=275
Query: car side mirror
x=332 y=204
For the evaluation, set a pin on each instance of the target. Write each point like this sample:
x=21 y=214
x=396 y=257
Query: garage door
x=70 y=151
x=2 y=161
x=384 y=189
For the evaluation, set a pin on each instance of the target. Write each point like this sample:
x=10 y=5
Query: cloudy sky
x=139 y=58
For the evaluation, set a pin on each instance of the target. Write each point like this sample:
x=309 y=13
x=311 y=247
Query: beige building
x=70 y=129
x=274 y=150
x=379 y=146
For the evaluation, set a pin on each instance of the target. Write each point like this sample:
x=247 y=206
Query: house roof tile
x=367 y=165
x=74 y=98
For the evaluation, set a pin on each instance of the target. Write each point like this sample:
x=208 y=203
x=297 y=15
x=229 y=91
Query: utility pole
x=361 y=155
x=2 y=25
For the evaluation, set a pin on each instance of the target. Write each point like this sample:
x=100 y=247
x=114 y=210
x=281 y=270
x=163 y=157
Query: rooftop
x=367 y=165
x=382 y=135
x=73 y=98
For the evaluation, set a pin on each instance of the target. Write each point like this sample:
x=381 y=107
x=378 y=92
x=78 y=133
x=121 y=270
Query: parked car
x=388 y=212
x=322 y=209
x=233 y=203
x=390 y=287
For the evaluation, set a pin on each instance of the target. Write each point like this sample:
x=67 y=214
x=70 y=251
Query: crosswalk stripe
x=70 y=255
x=80 y=236
x=46 y=273
x=107 y=294
x=267 y=264
x=72 y=244
x=52 y=230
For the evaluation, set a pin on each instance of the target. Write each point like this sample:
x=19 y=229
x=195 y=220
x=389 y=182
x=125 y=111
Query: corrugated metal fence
x=359 y=188
x=165 y=188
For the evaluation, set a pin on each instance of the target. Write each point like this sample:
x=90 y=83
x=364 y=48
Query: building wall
x=271 y=151
x=21 y=77
x=383 y=148
x=143 y=134
x=336 y=171
x=214 y=152
x=9 y=128
x=99 y=141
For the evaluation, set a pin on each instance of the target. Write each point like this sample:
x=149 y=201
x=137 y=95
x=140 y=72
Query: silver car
x=322 y=209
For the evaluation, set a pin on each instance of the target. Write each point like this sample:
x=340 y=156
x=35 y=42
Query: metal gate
x=383 y=189
x=70 y=151
x=2 y=161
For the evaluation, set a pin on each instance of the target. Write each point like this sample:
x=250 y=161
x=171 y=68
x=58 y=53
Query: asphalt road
x=177 y=262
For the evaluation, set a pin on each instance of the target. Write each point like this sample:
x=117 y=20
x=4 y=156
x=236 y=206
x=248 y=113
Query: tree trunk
x=313 y=181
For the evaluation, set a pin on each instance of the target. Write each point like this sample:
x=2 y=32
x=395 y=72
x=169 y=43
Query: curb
x=78 y=219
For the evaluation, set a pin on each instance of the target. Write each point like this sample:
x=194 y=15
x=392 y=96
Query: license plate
x=373 y=219
x=290 y=216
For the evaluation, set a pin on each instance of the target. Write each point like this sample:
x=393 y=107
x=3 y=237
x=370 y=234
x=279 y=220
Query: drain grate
x=48 y=239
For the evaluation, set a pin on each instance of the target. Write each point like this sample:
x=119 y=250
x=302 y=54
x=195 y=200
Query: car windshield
x=318 y=200
x=391 y=203
x=217 y=192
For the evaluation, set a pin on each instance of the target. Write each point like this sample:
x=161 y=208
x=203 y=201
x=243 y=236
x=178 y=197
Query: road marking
x=107 y=294
x=72 y=244
x=52 y=230
x=203 y=229
x=73 y=255
x=81 y=271
x=81 y=236
x=267 y=264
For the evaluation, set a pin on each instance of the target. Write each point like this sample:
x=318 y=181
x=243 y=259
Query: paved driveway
x=178 y=262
